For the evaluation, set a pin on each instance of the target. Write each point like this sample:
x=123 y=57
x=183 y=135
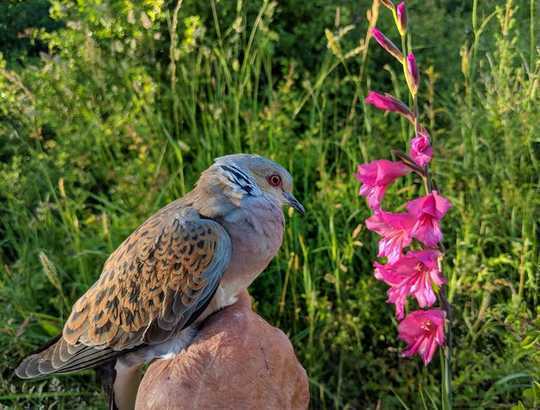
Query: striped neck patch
x=239 y=179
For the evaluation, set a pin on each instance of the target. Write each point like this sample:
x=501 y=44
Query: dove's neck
x=256 y=231
x=254 y=222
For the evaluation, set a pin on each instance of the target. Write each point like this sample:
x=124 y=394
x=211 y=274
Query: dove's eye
x=274 y=180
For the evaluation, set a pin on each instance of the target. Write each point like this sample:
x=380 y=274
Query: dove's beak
x=292 y=201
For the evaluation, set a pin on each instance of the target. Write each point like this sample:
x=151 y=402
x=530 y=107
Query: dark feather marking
x=248 y=222
x=134 y=292
x=159 y=237
x=104 y=329
x=131 y=244
x=100 y=296
x=197 y=263
x=237 y=173
x=76 y=314
x=112 y=304
x=128 y=315
x=239 y=178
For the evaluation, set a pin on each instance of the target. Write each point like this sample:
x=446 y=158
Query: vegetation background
x=109 y=109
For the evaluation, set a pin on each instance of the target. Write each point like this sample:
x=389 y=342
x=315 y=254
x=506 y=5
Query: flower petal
x=423 y=331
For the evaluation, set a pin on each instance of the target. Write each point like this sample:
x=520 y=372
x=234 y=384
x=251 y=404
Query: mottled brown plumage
x=149 y=288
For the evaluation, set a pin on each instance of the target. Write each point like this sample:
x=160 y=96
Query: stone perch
x=237 y=361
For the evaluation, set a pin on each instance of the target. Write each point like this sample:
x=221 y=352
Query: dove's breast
x=256 y=232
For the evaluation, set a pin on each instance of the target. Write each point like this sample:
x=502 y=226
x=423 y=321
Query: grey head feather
x=252 y=161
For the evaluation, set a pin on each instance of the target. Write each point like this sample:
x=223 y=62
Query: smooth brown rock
x=238 y=361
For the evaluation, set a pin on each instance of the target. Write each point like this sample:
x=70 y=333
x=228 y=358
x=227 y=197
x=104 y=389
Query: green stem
x=446 y=390
x=532 y=36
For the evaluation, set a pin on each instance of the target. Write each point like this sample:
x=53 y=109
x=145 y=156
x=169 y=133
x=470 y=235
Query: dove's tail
x=58 y=356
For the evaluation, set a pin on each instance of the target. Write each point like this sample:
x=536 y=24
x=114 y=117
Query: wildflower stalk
x=446 y=353
x=406 y=277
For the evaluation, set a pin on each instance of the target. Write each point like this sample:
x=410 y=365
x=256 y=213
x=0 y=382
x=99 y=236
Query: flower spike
x=409 y=241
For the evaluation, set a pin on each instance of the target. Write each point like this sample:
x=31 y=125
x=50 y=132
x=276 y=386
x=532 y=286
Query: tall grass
x=130 y=105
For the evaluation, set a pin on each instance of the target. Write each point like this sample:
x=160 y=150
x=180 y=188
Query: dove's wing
x=157 y=282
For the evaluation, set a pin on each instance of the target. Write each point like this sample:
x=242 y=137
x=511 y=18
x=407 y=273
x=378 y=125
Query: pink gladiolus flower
x=423 y=331
x=401 y=18
x=386 y=43
x=421 y=151
x=376 y=176
x=387 y=102
x=396 y=232
x=412 y=274
x=428 y=211
x=411 y=73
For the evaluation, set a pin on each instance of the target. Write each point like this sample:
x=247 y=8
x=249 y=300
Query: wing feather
x=160 y=279
x=157 y=275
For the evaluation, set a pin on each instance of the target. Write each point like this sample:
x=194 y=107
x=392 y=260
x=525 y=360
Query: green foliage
x=134 y=98
x=17 y=19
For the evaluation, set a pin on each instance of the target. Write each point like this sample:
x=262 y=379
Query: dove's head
x=244 y=175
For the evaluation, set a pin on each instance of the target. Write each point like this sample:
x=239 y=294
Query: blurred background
x=110 y=109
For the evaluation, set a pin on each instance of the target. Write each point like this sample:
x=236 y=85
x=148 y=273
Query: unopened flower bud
x=387 y=102
x=421 y=151
x=401 y=18
x=386 y=43
x=411 y=73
